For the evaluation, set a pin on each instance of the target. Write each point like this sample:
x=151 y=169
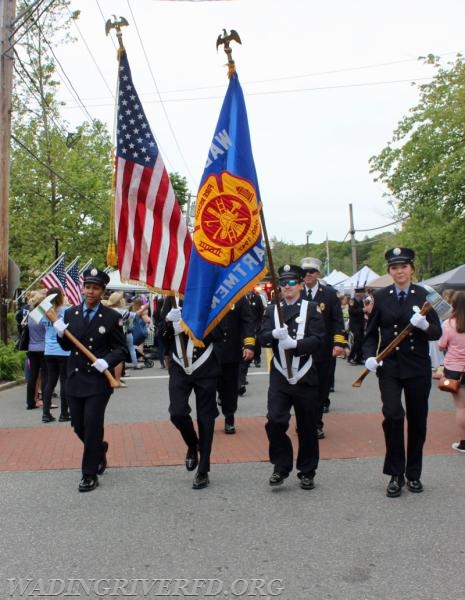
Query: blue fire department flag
x=228 y=255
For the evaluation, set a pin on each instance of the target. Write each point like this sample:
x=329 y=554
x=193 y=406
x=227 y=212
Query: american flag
x=56 y=277
x=153 y=241
x=73 y=286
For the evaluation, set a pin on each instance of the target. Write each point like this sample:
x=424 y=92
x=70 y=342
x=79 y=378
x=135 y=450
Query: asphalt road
x=342 y=541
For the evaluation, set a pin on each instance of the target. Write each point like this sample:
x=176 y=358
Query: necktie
x=87 y=315
x=401 y=297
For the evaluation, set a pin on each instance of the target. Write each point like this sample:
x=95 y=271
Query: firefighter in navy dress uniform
x=237 y=342
x=87 y=389
x=334 y=341
x=200 y=376
x=407 y=369
x=301 y=335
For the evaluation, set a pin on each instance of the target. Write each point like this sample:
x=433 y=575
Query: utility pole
x=352 y=240
x=7 y=15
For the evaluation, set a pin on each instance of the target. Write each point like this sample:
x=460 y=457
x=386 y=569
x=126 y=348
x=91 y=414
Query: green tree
x=424 y=168
x=60 y=180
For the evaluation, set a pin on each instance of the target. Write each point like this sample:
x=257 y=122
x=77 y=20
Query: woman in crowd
x=35 y=354
x=452 y=343
x=55 y=361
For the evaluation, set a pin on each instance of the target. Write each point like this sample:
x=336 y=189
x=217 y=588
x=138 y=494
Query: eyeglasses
x=311 y=271
x=290 y=282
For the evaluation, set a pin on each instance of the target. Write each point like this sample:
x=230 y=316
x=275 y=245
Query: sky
x=325 y=86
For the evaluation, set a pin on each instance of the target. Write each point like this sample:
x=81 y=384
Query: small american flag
x=73 y=286
x=56 y=277
x=152 y=236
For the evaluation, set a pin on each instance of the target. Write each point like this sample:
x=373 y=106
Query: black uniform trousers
x=356 y=353
x=180 y=387
x=416 y=392
x=324 y=367
x=282 y=396
x=56 y=369
x=228 y=390
x=87 y=418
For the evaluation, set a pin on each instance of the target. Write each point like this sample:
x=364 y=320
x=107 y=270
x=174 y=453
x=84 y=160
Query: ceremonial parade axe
x=433 y=300
x=45 y=309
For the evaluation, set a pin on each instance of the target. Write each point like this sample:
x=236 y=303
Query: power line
x=171 y=128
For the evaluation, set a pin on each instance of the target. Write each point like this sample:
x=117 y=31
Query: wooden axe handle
x=80 y=346
x=392 y=346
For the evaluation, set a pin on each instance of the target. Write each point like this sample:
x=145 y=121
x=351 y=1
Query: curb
x=9 y=384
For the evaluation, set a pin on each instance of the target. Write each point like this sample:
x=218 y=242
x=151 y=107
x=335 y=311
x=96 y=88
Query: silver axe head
x=41 y=309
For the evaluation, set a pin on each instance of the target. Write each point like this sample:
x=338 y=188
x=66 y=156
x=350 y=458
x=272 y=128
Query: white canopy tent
x=119 y=286
x=335 y=277
x=358 y=279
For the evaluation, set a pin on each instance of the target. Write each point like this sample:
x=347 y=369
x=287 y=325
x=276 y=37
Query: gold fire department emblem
x=227 y=218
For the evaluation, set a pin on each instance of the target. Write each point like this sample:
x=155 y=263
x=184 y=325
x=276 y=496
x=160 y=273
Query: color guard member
x=407 y=369
x=87 y=389
x=301 y=336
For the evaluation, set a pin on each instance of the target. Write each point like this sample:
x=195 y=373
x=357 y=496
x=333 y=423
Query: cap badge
x=94 y=272
x=286 y=268
x=397 y=251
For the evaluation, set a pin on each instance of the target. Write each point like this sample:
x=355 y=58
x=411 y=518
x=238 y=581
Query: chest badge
x=322 y=306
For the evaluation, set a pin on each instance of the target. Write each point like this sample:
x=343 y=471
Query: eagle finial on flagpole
x=225 y=39
x=116 y=24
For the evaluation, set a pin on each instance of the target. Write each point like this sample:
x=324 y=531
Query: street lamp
x=307 y=235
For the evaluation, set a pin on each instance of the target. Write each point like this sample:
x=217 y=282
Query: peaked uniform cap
x=310 y=263
x=396 y=256
x=96 y=276
x=290 y=272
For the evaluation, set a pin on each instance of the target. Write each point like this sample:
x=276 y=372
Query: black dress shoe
x=395 y=486
x=191 y=459
x=320 y=434
x=48 y=418
x=88 y=483
x=103 y=464
x=201 y=480
x=229 y=429
x=63 y=418
x=415 y=486
x=325 y=409
x=277 y=478
x=306 y=482
x=242 y=390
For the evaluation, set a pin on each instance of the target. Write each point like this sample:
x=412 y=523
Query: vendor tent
x=380 y=282
x=358 y=279
x=117 y=285
x=453 y=279
x=335 y=277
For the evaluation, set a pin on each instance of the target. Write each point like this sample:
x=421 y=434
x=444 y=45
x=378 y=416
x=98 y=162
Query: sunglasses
x=290 y=282
x=311 y=271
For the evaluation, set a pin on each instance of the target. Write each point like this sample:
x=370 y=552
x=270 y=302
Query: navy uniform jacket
x=388 y=319
x=356 y=315
x=331 y=310
x=314 y=334
x=104 y=337
x=235 y=331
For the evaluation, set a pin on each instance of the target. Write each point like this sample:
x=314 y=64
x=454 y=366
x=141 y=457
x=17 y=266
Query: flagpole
x=86 y=266
x=54 y=263
x=112 y=258
x=71 y=265
x=225 y=40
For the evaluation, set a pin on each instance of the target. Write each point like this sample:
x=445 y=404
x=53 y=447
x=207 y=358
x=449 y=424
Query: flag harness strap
x=192 y=366
x=296 y=372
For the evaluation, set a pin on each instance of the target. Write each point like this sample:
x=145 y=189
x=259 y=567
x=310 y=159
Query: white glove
x=287 y=343
x=280 y=333
x=60 y=326
x=174 y=315
x=419 y=321
x=100 y=364
x=372 y=364
x=177 y=327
